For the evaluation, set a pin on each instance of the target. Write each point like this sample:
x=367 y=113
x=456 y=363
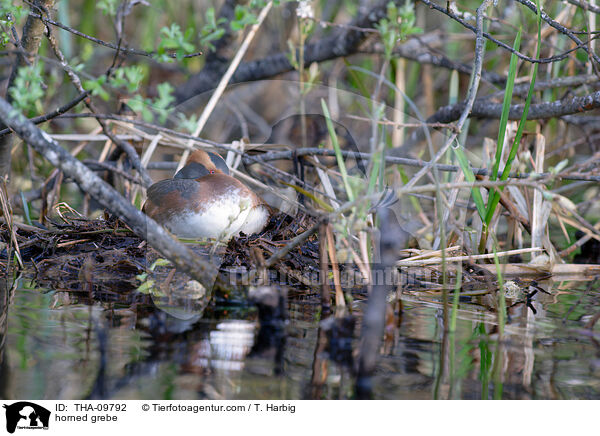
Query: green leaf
x=470 y=177
x=510 y=83
x=95 y=87
x=108 y=7
x=310 y=195
x=172 y=38
x=160 y=262
x=161 y=105
x=187 y=123
x=27 y=88
x=513 y=152
x=242 y=18
x=212 y=29
x=397 y=25
x=146 y=287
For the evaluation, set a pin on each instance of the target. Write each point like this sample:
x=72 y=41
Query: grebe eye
x=212 y=171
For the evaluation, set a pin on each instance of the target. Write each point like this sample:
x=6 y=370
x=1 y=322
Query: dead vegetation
x=406 y=160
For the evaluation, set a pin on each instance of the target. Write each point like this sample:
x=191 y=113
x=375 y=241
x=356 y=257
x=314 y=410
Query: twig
x=399 y=124
x=586 y=6
x=438 y=260
x=131 y=51
x=471 y=94
x=562 y=29
x=580 y=44
x=281 y=155
x=55 y=113
x=106 y=166
x=557 y=82
x=339 y=293
x=579 y=243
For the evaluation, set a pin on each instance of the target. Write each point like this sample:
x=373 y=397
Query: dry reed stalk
x=423 y=254
x=364 y=249
x=428 y=85
x=145 y=159
x=541 y=208
x=398 y=132
x=326 y=183
x=323 y=263
x=90 y=137
x=362 y=266
x=339 y=293
x=69 y=243
x=559 y=271
x=9 y=219
x=147 y=155
x=437 y=261
x=385 y=122
x=577 y=225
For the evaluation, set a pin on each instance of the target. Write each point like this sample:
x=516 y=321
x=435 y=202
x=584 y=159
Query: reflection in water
x=5 y=293
x=226 y=347
x=59 y=345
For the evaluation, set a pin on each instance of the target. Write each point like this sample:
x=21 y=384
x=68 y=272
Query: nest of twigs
x=104 y=260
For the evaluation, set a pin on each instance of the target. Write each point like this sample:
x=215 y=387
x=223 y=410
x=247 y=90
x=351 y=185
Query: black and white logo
x=26 y=415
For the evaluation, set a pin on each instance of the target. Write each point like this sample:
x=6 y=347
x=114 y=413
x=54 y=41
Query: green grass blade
x=26 y=209
x=361 y=87
x=377 y=158
x=513 y=151
x=497 y=369
x=310 y=195
x=510 y=83
x=459 y=152
x=470 y=177
x=338 y=151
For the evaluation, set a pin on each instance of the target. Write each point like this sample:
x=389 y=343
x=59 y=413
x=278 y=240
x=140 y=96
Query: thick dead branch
x=551 y=109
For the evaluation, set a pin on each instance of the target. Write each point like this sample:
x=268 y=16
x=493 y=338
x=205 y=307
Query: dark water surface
x=56 y=348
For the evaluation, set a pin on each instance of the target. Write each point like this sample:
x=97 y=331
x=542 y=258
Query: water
x=59 y=345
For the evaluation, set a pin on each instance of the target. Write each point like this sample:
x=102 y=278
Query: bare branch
x=553 y=109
